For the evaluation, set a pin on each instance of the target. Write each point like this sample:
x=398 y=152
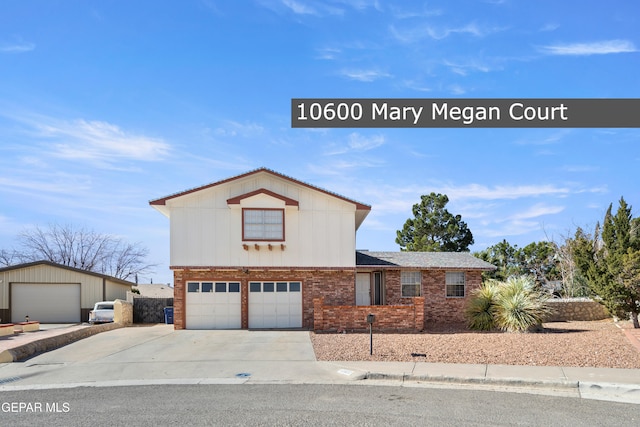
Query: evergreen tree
x=434 y=228
x=611 y=272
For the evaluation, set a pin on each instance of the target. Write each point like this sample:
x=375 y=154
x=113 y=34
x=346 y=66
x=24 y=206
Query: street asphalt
x=110 y=355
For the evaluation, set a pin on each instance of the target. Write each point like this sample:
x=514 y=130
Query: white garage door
x=275 y=305
x=213 y=305
x=45 y=302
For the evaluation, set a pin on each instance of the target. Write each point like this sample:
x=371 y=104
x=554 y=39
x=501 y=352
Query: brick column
x=318 y=317
x=179 y=321
x=244 y=304
x=418 y=303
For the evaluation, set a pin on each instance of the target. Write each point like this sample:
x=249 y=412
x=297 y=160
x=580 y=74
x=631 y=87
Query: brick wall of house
x=338 y=318
x=440 y=309
x=437 y=307
x=336 y=286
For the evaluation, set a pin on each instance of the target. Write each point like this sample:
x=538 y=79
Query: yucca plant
x=513 y=306
x=480 y=309
x=519 y=306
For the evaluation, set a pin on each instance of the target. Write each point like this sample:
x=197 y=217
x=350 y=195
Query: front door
x=363 y=289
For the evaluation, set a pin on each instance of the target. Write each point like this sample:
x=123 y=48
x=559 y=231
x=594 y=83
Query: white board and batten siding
x=206 y=231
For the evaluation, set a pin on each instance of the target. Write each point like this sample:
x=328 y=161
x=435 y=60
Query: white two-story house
x=264 y=250
x=253 y=250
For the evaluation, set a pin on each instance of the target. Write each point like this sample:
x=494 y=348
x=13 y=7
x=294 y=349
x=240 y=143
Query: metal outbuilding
x=54 y=293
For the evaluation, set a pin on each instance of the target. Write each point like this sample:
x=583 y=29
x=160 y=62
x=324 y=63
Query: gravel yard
x=599 y=344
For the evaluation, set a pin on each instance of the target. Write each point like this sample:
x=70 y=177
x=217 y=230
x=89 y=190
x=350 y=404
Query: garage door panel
x=275 y=305
x=213 y=305
x=46 y=302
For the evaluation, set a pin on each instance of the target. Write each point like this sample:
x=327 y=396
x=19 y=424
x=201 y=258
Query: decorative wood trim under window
x=263 y=224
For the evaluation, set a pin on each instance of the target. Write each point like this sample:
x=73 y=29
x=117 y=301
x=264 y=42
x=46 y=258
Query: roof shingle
x=422 y=260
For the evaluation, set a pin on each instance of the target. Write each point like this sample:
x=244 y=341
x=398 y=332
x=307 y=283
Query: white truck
x=102 y=312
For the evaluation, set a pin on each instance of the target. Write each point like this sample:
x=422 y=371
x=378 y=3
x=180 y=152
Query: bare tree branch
x=81 y=248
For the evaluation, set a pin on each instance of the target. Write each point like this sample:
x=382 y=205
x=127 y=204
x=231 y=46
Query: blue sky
x=105 y=105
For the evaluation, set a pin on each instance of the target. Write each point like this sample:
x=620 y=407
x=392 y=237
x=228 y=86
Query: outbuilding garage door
x=45 y=302
x=275 y=305
x=213 y=305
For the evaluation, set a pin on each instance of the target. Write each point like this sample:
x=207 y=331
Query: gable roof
x=287 y=201
x=65 y=267
x=422 y=260
x=163 y=200
x=362 y=210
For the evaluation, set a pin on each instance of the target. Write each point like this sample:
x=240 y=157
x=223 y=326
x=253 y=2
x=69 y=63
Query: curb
x=515 y=382
x=615 y=392
x=25 y=351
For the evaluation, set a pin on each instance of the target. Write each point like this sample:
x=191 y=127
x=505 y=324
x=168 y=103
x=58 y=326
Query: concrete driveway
x=161 y=343
x=159 y=353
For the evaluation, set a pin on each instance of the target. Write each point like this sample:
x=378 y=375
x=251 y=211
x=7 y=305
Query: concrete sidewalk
x=156 y=355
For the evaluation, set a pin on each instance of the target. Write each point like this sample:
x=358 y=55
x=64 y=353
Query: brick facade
x=440 y=309
x=328 y=297
x=336 y=286
x=338 y=318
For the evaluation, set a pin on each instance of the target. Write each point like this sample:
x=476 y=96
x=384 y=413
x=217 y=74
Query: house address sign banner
x=464 y=113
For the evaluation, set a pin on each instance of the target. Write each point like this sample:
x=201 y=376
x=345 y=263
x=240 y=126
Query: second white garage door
x=213 y=305
x=45 y=302
x=275 y=305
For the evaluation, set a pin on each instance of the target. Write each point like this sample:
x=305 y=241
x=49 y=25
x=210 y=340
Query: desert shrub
x=515 y=305
x=479 y=310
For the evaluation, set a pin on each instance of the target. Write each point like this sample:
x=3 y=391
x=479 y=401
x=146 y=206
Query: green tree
x=433 y=228
x=540 y=261
x=573 y=255
x=537 y=259
x=610 y=271
x=505 y=257
x=630 y=279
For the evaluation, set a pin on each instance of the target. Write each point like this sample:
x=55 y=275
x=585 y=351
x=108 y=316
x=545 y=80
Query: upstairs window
x=263 y=224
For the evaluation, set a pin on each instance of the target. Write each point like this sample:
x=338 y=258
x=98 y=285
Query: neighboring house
x=54 y=293
x=152 y=290
x=264 y=250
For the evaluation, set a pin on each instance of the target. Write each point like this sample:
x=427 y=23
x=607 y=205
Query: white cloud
x=580 y=168
x=399 y=13
x=365 y=75
x=549 y=27
x=233 y=128
x=361 y=143
x=549 y=139
x=101 y=141
x=356 y=143
x=416 y=34
x=535 y=211
x=595 y=48
x=58 y=183
x=328 y=53
x=500 y=192
x=511 y=228
x=463 y=68
x=299 y=8
x=18 y=47
x=457 y=89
